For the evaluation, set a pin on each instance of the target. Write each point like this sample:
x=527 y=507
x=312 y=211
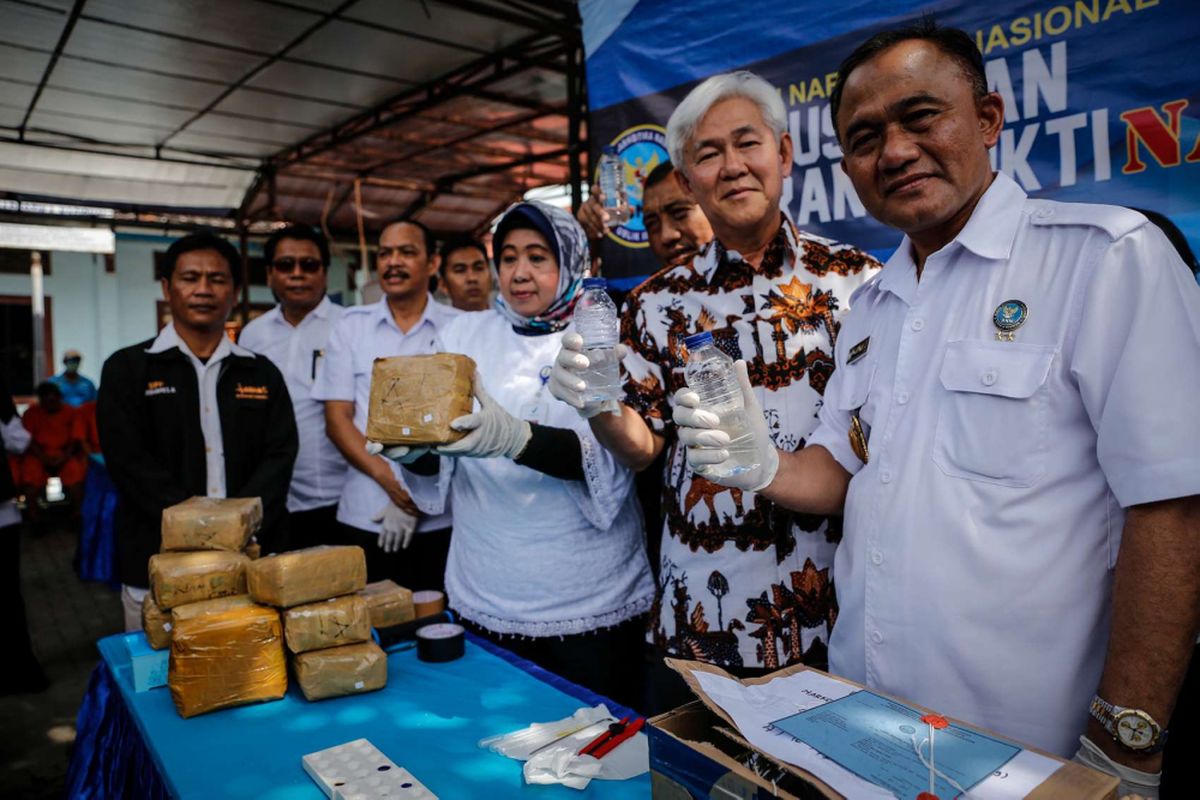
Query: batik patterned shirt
x=743 y=583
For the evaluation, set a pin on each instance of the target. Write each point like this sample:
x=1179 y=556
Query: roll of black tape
x=440 y=642
x=407 y=631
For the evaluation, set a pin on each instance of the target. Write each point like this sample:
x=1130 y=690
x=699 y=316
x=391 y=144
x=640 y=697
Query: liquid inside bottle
x=709 y=373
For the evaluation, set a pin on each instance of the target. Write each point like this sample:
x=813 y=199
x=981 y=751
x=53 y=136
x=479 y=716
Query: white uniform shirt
x=207 y=374
x=299 y=352
x=976 y=571
x=535 y=555
x=363 y=334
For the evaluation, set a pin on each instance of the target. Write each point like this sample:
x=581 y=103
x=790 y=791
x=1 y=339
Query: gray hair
x=687 y=115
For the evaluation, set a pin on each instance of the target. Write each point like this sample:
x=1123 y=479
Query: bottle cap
x=697 y=340
x=595 y=283
x=609 y=150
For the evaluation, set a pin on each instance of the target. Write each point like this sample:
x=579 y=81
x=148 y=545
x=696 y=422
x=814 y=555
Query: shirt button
x=207 y=410
x=876 y=637
x=917 y=324
x=902 y=398
x=988 y=378
x=876 y=557
x=885 y=476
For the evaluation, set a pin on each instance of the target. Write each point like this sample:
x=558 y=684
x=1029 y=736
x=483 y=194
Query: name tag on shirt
x=858 y=351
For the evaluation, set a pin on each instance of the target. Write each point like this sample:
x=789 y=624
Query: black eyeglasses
x=289 y=264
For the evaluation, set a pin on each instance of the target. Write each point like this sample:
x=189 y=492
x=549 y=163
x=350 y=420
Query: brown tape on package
x=306 y=576
x=227 y=659
x=388 y=603
x=206 y=607
x=156 y=623
x=178 y=578
x=339 y=671
x=211 y=523
x=329 y=623
x=415 y=398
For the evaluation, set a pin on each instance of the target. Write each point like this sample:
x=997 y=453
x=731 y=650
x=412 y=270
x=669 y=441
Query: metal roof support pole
x=244 y=248
x=574 y=118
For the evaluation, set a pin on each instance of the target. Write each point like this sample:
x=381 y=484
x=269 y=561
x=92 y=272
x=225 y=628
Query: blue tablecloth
x=428 y=720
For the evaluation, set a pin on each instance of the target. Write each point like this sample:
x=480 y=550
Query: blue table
x=428 y=720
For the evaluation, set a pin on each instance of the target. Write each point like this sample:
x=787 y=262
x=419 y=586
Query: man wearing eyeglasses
x=293 y=335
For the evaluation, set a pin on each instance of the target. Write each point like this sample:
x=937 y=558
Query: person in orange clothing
x=54 y=450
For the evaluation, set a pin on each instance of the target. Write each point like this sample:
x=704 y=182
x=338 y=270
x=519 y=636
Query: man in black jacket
x=191 y=413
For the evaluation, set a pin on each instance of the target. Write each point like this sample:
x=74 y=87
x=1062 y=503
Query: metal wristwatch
x=1131 y=728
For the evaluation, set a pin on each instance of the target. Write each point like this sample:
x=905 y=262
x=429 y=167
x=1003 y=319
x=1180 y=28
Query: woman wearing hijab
x=548 y=555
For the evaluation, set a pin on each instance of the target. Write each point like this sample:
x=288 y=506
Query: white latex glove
x=1135 y=784
x=568 y=385
x=398 y=527
x=705 y=445
x=400 y=453
x=493 y=432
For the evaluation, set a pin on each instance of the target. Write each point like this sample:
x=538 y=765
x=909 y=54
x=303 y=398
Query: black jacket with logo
x=148 y=415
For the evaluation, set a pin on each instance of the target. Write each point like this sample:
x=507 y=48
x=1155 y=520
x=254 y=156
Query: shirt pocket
x=855 y=392
x=992 y=423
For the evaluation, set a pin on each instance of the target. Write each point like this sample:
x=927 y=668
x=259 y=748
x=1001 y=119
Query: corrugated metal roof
x=449 y=109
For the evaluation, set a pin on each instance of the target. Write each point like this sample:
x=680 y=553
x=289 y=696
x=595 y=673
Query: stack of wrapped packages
x=226 y=650
x=326 y=623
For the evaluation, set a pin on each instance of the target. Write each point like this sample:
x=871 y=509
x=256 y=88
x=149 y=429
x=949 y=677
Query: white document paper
x=754 y=708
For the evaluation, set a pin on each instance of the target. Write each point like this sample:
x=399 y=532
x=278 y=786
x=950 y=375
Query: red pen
x=608 y=741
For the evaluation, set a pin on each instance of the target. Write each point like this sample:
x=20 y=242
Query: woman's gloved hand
x=397 y=528
x=492 y=431
x=566 y=382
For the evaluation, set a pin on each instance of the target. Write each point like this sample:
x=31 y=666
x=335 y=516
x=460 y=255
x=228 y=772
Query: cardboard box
x=696 y=751
x=147 y=666
x=211 y=523
x=388 y=603
x=415 y=398
x=341 y=671
x=178 y=578
x=227 y=659
x=330 y=623
x=305 y=576
x=156 y=622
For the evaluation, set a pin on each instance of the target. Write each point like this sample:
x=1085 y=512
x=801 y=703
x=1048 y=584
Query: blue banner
x=1102 y=97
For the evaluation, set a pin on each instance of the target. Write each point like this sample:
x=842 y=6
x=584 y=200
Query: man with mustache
x=767 y=292
x=375 y=511
x=294 y=336
x=190 y=413
x=1011 y=427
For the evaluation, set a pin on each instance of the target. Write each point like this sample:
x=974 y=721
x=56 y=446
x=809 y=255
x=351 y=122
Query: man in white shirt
x=1011 y=423
x=294 y=335
x=375 y=511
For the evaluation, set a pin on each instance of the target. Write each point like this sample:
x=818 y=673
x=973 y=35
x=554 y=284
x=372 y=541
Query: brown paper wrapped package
x=216 y=606
x=252 y=550
x=389 y=603
x=178 y=578
x=156 y=623
x=415 y=398
x=329 y=623
x=227 y=659
x=210 y=523
x=305 y=576
x=339 y=671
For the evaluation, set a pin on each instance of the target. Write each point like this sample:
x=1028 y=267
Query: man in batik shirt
x=743 y=584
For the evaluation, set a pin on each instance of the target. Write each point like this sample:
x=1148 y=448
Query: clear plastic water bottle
x=596 y=320
x=710 y=374
x=612 y=183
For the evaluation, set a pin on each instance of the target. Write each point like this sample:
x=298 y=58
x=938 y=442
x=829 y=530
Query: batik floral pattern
x=743 y=582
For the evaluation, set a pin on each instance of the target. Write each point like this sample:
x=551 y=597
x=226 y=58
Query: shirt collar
x=715 y=253
x=168 y=338
x=989 y=233
x=431 y=314
x=320 y=311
